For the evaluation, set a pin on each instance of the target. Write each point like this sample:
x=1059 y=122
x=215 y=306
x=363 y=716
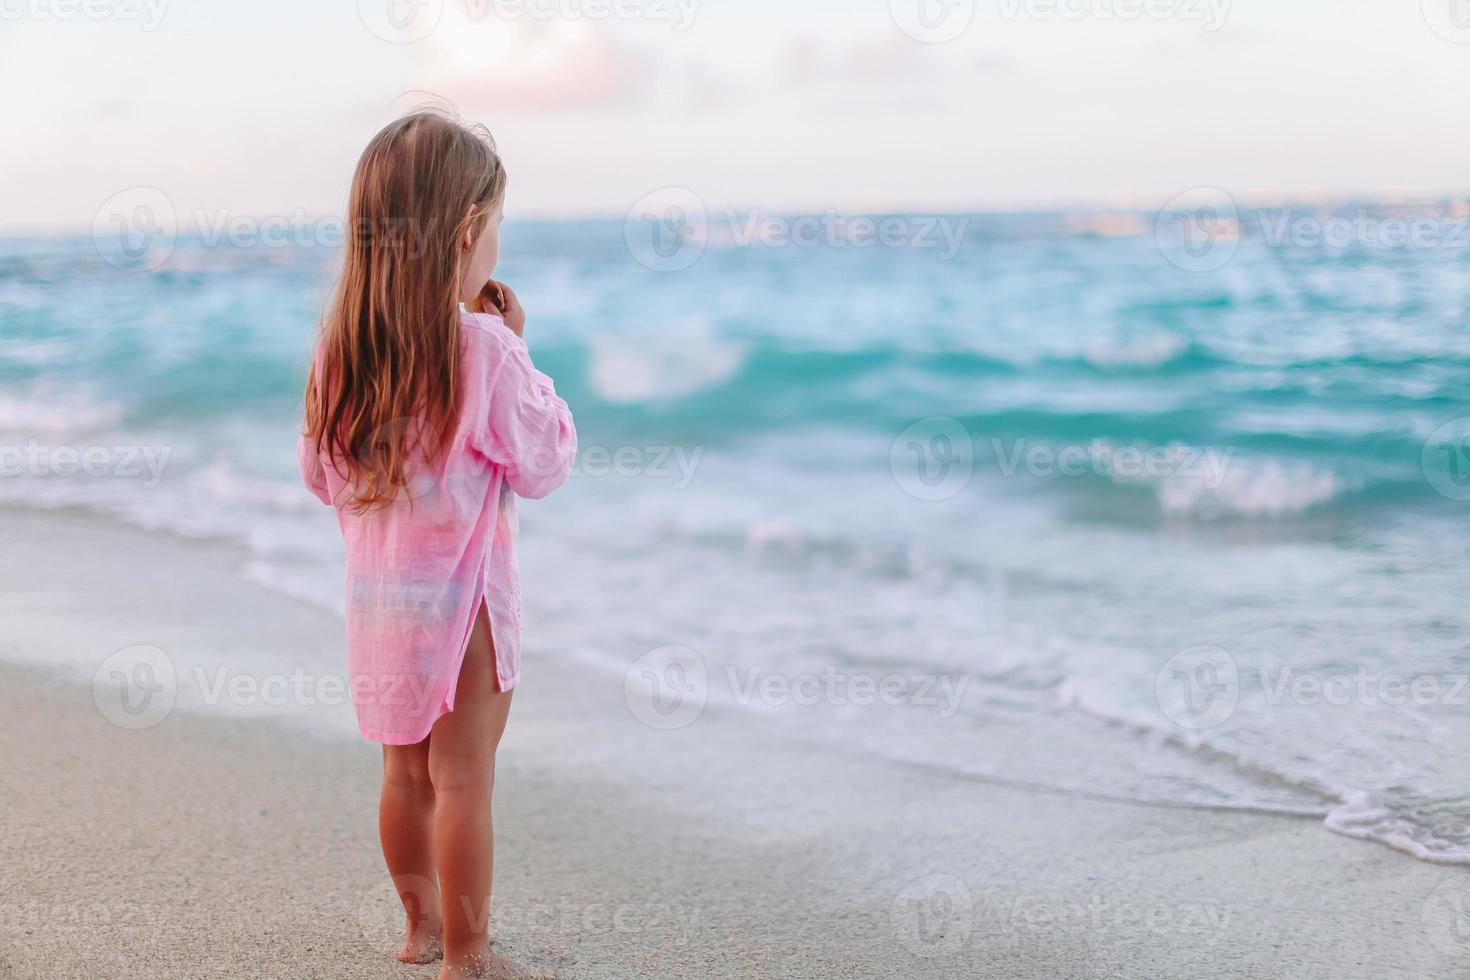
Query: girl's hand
x=499 y=297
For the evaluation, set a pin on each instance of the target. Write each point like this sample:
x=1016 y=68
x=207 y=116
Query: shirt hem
x=392 y=738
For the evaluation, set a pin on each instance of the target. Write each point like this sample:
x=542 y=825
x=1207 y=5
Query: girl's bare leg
x=406 y=826
x=462 y=770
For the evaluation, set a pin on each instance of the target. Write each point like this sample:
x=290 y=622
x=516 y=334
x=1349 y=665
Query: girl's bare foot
x=489 y=965
x=422 y=948
x=425 y=947
x=425 y=942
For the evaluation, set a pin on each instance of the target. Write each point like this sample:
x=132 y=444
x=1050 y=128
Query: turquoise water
x=844 y=460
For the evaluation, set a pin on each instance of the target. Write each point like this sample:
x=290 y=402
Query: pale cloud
x=877 y=76
x=758 y=103
x=810 y=61
x=533 y=66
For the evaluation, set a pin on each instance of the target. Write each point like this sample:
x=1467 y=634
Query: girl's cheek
x=489 y=253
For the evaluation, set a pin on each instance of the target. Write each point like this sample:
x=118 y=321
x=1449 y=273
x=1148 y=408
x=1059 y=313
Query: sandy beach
x=215 y=844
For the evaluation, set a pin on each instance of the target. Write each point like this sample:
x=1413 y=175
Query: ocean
x=1060 y=504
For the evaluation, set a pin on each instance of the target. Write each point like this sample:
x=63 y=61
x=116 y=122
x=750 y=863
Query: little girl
x=424 y=419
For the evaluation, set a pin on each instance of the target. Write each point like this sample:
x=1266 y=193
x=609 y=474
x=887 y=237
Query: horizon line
x=1132 y=204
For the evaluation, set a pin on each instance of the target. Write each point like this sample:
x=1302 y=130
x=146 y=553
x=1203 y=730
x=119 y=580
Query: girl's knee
x=462 y=772
x=407 y=769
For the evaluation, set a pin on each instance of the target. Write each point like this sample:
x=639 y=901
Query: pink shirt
x=418 y=568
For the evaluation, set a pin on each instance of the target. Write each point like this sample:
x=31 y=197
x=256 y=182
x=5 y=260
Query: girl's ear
x=468 y=244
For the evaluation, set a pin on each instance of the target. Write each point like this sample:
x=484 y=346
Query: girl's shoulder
x=488 y=347
x=488 y=331
x=481 y=321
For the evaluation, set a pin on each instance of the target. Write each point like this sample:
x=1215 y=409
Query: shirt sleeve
x=313 y=473
x=527 y=428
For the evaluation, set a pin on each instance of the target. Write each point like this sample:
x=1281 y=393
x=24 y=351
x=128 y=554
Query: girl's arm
x=313 y=473
x=528 y=429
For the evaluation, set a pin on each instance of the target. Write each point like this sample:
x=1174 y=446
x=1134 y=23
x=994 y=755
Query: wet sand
x=243 y=843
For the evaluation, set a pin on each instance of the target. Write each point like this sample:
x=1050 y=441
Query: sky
x=261 y=108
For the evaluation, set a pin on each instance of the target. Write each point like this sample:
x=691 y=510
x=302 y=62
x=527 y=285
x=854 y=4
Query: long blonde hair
x=385 y=387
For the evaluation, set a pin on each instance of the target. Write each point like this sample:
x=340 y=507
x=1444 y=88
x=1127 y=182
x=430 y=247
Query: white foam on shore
x=1364 y=816
x=1359 y=814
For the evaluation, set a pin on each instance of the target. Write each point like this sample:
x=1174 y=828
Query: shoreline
x=245 y=846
